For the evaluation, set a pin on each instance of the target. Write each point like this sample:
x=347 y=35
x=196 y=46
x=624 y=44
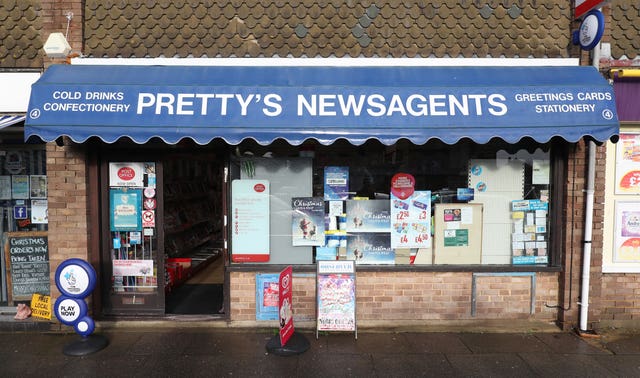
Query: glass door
x=133 y=251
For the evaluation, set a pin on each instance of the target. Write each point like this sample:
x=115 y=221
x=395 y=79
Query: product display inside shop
x=465 y=204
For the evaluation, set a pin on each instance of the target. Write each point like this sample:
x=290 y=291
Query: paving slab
x=622 y=344
x=436 y=343
x=569 y=342
x=335 y=365
x=207 y=352
x=413 y=365
x=621 y=365
x=502 y=342
x=566 y=365
x=490 y=365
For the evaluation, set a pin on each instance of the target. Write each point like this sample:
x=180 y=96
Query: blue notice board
x=267 y=290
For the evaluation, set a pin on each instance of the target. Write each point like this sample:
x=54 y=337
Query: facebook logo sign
x=20 y=212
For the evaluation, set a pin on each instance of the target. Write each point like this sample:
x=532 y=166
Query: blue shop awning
x=325 y=103
x=7 y=120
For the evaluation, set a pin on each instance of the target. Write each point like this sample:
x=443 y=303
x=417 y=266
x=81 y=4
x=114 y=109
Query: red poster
x=285 y=305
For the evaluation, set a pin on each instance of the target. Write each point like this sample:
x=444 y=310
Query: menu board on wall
x=336 y=296
x=27 y=256
x=250 y=220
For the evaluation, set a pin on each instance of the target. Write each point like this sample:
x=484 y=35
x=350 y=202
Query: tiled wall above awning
x=325 y=28
x=20 y=34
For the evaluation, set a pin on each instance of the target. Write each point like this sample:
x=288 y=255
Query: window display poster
x=38 y=186
x=250 y=220
x=5 y=187
x=39 y=212
x=411 y=220
x=540 y=172
x=368 y=216
x=125 y=209
x=529 y=231
x=307 y=221
x=456 y=238
x=370 y=248
x=628 y=164
x=628 y=148
x=133 y=268
x=20 y=186
x=336 y=183
x=627 y=232
x=126 y=174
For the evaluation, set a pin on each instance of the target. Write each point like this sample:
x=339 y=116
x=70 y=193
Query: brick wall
x=574 y=236
x=620 y=301
x=68 y=220
x=54 y=19
x=413 y=297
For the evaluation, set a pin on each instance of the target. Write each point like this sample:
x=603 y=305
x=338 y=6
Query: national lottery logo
x=607 y=114
x=71 y=280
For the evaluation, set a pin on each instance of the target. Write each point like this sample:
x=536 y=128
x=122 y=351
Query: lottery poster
x=411 y=220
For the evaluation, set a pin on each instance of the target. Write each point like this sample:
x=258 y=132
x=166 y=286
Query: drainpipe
x=588 y=218
x=588 y=227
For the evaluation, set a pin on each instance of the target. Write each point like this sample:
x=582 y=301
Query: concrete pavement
x=213 y=352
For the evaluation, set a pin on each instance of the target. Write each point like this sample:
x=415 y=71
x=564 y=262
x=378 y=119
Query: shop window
x=23 y=210
x=435 y=204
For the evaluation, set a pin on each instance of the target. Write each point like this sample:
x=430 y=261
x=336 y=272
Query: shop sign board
x=591 y=30
x=285 y=304
x=336 y=296
x=76 y=279
x=297 y=103
x=126 y=174
x=27 y=255
x=250 y=220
